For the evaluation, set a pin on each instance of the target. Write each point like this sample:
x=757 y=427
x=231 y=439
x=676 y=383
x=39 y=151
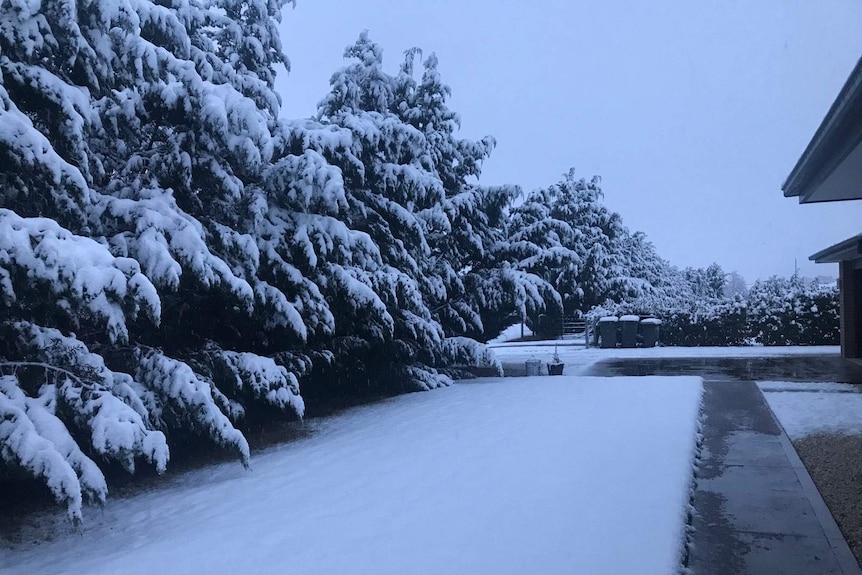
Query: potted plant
x=556 y=366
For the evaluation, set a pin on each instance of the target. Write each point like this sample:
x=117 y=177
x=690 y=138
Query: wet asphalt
x=756 y=509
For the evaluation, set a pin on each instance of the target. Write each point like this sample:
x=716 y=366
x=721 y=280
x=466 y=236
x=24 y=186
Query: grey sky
x=693 y=113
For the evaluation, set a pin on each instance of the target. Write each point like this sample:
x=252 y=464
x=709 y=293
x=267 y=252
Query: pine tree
x=736 y=284
x=472 y=293
x=405 y=176
x=566 y=236
x=132 y=139
x=386 y=186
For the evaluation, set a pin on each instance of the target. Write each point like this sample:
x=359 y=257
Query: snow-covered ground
x=807 y=408
x=529 y=475
x=511 y=333
x=578 y=359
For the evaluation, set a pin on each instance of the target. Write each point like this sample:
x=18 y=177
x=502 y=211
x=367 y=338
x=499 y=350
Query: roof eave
x=849 y=249
x=802 y=180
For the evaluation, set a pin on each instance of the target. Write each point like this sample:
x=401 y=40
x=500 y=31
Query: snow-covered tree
x=410 y=190
x=132 y=136
x=565 y=235
x=706 y=282
x=648 y=273
x=736 y=284
x=545 y=245
x=470 y=288
x=386 y=185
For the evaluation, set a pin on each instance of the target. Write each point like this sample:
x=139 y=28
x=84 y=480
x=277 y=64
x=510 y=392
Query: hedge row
x=775 y=313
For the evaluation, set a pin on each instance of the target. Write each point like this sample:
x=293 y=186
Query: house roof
x=849 y=249
x=830 y=169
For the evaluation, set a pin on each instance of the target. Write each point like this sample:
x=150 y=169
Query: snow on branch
x=41 y=412
x=106 y=406
x=425 y=378
x=77 y=271
x=187 y=400
x=261 y=377
x=463 y=351
x=166 y=241
x=23 y=447
x=24 y=152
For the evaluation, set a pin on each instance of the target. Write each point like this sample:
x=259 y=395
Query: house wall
x=850 y=300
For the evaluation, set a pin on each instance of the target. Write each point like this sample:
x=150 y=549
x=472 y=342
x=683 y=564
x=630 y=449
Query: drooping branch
x=13 y=366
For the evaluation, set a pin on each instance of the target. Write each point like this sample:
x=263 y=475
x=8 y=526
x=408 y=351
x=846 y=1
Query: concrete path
x=757 y=510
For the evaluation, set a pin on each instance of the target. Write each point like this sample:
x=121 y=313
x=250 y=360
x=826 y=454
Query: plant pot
x=556 y=368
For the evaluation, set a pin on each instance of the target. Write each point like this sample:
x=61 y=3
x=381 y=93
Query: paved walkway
x=757 y=510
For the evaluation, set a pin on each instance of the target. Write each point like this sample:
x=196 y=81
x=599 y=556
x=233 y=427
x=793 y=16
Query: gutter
x=831 y=142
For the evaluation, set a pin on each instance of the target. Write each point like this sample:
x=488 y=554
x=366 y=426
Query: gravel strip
x=834 y=462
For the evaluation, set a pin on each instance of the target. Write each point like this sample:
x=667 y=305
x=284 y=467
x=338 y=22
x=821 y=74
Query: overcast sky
x=693 y=113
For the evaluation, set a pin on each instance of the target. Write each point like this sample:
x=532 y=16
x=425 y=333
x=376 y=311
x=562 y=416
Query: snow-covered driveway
x=533 y=475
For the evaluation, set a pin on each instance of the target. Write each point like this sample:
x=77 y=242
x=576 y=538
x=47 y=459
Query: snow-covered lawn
x=578 y=359
x=511 y=333
x=530 y=475
x=808 y=408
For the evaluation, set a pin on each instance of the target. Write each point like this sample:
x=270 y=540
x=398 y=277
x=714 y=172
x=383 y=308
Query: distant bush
x=793 y=312
x=713 y=323
x=777 y=311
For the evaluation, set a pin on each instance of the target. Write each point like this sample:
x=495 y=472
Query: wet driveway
x=801 y=368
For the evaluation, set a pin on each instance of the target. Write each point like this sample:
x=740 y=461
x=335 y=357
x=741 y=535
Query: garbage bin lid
x=608 y=318
x=630 y=318
x=652 y=321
